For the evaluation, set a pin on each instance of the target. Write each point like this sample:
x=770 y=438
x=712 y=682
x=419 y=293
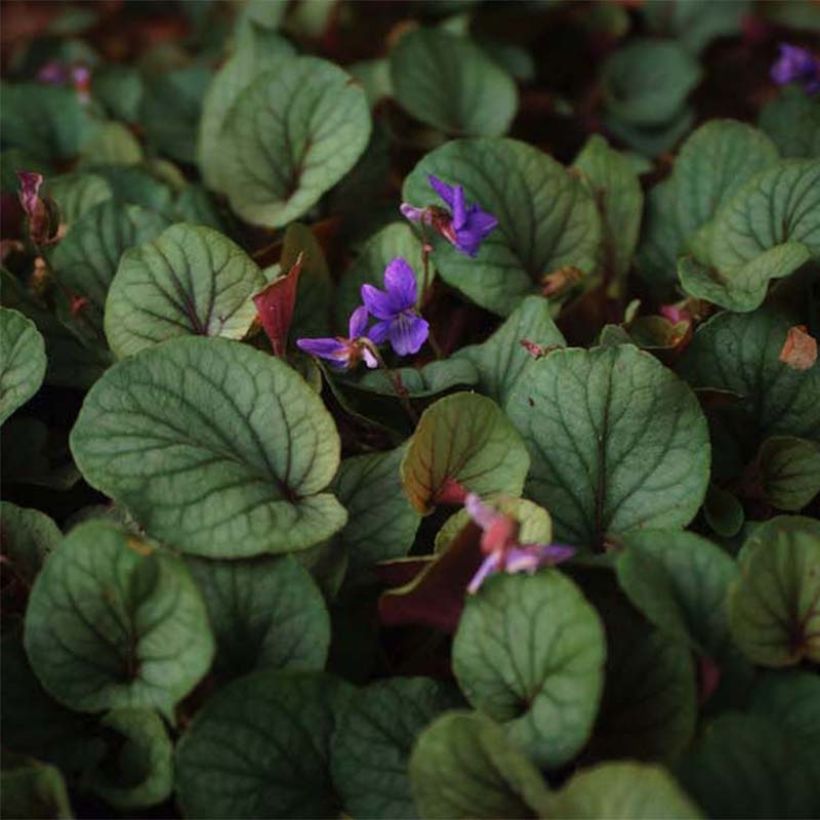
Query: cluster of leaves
x=234 y=580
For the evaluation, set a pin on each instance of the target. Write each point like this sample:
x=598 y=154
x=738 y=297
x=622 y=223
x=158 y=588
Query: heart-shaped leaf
x=462 y=438
x=547 y=218
x=792 y=121
x=774 y=607
x=617 y=441
x=112 y=622
x=789 y=471
x=373 y=740
x=464 y=767
x=190 y=280
x=257 y=438
x=266 y=613
x=450 y=83
x=433 y=378
x=292 y=134
x=22 y=361
x=260 y=748
x=27 y=537
x=544 y=686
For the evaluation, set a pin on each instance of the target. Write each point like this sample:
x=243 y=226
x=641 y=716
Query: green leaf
x=32 y=789
x=789 y=471
x=314 y=291
x=373 y=740
x=623 y=791
x=792 y=700
x=739 y=353
x=190 y=280
x=612 y=181
x=266 y=613
x=77 y=193
x=195 y=205
x=544 y=685
x=111 y=142
x=420 y=382
x=679 y=581
x=138 y=769
x=465 y=438
x=22 y=361
x=450 y=83
x=138 y=185
x=547 y=218
x=112 y=623
x=722 y=510
x=655 y=140
x=260 y=748
x=617 y=442
x=256 y=52
x=87 y=259
x=28 y=537
x=381 y=524
x=463 y=766
x=119 y=88
x=747 y=766
x=695 y=23
x=257 y=438
x=792 y=121
x=502 y=362
x=291 y=136
x=774 y=607
x=647 y=81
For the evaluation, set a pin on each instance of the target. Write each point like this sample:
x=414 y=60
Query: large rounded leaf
x=260 y=748
x=546 y=218
x=214 y=447
x=190 y=280
x=617 y=441
x=463 y=767
x=112 y=622
x=774 y=607
x=22 y=361
x=291 y=136
x=448 y=82
x=373 y=741
x=463 y=438
x=529 y=652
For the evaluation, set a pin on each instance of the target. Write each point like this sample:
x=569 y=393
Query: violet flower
x=797 y=65
x=499 y=541
x=395 y=308
x=465 y=226
x=344 y=353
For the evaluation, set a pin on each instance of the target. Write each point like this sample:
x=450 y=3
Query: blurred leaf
x=22 y=361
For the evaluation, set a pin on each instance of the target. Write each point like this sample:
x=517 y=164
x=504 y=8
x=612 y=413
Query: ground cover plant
x=410 y=409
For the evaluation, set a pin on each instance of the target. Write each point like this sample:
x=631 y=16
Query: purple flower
x=395 y=307
x=344 y=353
x=465 y=226
x=797 y=65
x=499 y=541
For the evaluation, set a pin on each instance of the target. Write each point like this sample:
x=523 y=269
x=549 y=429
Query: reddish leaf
x=800 y=349
x=275 y=304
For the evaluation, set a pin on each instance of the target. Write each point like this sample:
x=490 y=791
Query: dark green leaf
x=22 y=361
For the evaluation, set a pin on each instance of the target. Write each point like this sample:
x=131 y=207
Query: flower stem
x=398 y=386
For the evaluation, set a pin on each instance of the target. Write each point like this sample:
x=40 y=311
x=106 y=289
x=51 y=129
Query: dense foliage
x=410 y=409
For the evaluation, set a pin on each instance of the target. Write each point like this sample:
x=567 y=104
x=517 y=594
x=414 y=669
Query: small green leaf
x=450 y=83
x=32 y=789
x=774 y=607
x=543 y=685
x=266 y=613
x=190 y=280
x=112 y=623
x=646 y=82
x=111 y=142
x=617 y=442
x=77 y=193
x=623 y=791
x=314 y=291
x=789 y=470
x=695 y=23
x=373 y=740
x=292 y=134
x=119 y=88
x=261 y=748
x=463 y=766
x=547 y=218
x=792 y=121
x=381 y=524
x=87 y=259
x=22 y=361
x=257 y=439
x=722 y=510
x=680 y=582
x=138 y=185
x=465 y=438
x=502 y=361
x=28 y=537
x=433 y=378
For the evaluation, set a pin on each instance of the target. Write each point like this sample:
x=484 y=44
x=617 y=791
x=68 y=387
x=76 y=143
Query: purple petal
x=483 y=515
x=408 y=332
x=400 y=282
x=377 y=302
x=442 y=189
x=481 y=221
x=411 y=212
x=379 y=332
x=358 y=322
x=529 y=557
x=369 y=359
x=331 y=349
x=488 y=566
x=459 y=207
